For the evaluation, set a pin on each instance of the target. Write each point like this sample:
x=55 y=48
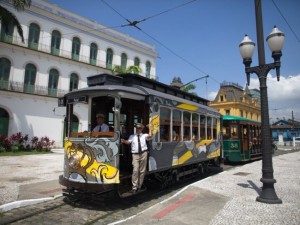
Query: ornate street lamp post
x=275 y=41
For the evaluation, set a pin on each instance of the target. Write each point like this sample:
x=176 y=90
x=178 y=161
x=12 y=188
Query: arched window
x=4 y=120
x=55 y=42
x=4 y=73
x=123 y=61
x=7 y=32
x=109 y=58
x=34 y=35
x=93 y=53
x=29 y=80
x=75 y=48
x=148 y=69
x=137 y=61
x=53 y=82
x=73 y=81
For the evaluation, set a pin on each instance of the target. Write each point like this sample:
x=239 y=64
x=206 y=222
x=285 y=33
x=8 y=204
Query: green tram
x=241 y=139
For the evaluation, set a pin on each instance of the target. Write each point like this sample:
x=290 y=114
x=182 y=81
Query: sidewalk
x=230 y=198
x=226 y=198
x=29 y=179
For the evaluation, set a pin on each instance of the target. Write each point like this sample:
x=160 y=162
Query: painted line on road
x=174 y=206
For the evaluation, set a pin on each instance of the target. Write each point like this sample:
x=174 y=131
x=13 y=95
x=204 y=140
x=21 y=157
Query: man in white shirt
x=101 y=127
x=139 y=152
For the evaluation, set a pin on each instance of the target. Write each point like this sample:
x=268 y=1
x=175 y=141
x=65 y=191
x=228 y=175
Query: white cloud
x=212 y=95
x=283 y=96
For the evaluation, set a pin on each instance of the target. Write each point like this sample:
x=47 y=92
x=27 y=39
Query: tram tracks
x=106 y=208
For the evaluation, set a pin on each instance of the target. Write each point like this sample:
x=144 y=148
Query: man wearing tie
x=139 y=152
x=101 y=127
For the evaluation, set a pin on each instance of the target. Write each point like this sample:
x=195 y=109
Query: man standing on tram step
x=139 y=152
x=101 y=127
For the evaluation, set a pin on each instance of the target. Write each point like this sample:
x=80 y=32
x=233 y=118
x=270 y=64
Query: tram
x=241 y=139
x=186 y=133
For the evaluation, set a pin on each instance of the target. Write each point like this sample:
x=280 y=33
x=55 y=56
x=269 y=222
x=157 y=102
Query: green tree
x=130 y=69
x=134 y=69
x=176 y=82
x=7 y=18
x=189 y=88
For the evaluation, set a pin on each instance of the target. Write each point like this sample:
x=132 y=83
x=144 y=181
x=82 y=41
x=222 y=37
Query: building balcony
x=31 y=89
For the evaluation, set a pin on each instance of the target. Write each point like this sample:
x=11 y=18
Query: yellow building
x=233 y=100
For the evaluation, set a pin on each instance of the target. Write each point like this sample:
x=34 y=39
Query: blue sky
x=202 y=37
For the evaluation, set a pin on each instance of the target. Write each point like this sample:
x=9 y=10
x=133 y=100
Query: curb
x=21 y=203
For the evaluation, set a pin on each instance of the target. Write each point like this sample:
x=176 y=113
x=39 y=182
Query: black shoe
x=143 y=188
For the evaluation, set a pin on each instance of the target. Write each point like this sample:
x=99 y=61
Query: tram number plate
x=234 y=145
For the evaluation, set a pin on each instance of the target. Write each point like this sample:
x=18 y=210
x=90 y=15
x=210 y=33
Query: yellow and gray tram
x=186 y=132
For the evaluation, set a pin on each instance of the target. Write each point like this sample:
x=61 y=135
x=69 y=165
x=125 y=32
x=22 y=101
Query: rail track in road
x=106 y=208
x=90 y=208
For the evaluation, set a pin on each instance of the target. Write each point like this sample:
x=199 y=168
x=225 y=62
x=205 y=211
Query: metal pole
x=268 y=194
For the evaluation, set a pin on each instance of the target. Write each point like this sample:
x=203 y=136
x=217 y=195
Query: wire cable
x=286 y=21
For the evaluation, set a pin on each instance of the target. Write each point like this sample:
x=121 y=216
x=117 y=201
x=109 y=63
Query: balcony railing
x=15 y=40
x=31 y=89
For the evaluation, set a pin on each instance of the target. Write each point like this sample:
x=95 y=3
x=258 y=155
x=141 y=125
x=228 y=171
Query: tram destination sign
x=77 y=99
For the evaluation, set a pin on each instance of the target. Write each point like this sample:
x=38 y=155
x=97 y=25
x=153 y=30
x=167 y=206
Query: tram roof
x=238 y=118
x=141 y=86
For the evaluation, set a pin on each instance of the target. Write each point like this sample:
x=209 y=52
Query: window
x=186 y=126
x=148 y=69
x=73 y=82
x=209 y=127
x=123 y=61
x=221 y=98
x=55 y=42
x=75 y=48
x=164 y=124
x=109 y=58
x=4 y=72
x=34 y=35
x=227 y=111
x=137 y=61
x=195 y=126
x=29 y=80
x=53 y=82
x=203 y=127
x=214 y=126
x=7 y=33
x=4 y=121
x=176 y=125
x=93 y=53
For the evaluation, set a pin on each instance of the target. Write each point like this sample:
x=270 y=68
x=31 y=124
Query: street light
x=275 y=41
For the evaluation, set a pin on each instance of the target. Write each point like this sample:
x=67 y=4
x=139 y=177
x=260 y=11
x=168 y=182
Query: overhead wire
x=294 y=33
x=133 y=23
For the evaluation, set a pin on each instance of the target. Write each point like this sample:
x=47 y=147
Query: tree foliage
x=8 y=18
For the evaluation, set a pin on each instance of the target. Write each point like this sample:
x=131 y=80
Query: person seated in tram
x=101 y=126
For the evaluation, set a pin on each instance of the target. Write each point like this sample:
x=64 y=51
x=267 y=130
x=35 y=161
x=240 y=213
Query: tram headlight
x=74 y=161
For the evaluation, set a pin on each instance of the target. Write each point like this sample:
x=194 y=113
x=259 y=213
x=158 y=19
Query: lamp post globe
x=275 y=40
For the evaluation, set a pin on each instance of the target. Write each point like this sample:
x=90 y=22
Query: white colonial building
x=61 y=49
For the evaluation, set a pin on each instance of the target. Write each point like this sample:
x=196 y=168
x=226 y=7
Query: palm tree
x=177 y=83
x=134 y=69
x=7 y=18
x=130 y=69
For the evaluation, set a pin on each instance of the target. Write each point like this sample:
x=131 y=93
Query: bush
x=19 y=142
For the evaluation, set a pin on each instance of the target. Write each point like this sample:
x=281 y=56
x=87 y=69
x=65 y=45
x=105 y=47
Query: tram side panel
x=167 y=154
